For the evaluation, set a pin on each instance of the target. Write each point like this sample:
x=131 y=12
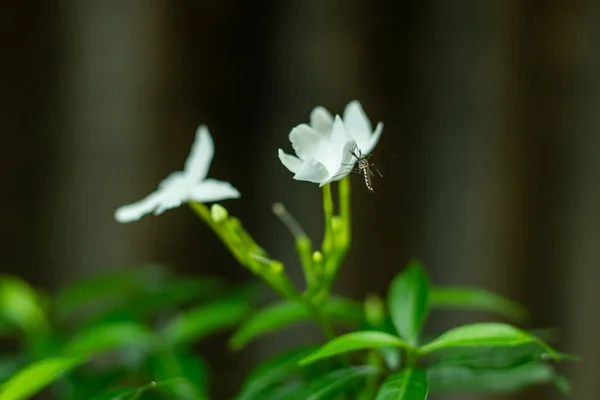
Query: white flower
x=183 y=186
x=324 y=147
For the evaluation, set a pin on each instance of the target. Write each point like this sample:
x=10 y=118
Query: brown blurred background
x=490 y=149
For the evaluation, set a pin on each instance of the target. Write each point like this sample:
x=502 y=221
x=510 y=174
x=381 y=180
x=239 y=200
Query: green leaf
x=35 y=377
x=101 y=338
x=11 y=363
x=392 y=356
x=166 y=299
x=85 y=383
x=181 y=364
x=451 y=378
x=484 y=334
x=106 y=289
x=337 y=382
x=7 y=328
x=137 y=392
x=375 y=312
x=20 y=305
x=199 y=322
x=562 y=384
x=131 y=294
x=490 y=356
x=324 y=387
x=475 y=299
x=116 y=394
x=408 y=384
x=354 y=341
x=293 y=390
x=271 y=372
x=408 y=301
x=285 y=313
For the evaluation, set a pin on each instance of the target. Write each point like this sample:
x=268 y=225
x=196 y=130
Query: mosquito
x=364 y=167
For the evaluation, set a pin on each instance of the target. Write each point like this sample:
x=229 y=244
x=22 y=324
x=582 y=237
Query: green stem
x=224 y=235
x=411 y=357
x=372 y=383
x=269 y=270
x=344 y=234
x=320 y=319
x=303 y=243
x=248 y=253
x=304 y=250
x=344 y=199
x=328 y=239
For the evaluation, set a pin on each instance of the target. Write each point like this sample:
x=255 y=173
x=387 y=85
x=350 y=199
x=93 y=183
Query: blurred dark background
x=490 y=149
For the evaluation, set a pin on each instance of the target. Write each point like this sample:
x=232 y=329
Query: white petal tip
x=202 y=130
x=123 y=215
x=355 y=104
x=292 y=163
x=211 y=191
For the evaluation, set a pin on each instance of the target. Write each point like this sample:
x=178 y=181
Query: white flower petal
x=321 y=120
x=347 y=162
x=331 y=156
x=134 y=211
x=305 y=141
x=172 y=196
x=183 y=186
x=211 y=190
x=324 y=147
x=176 y=176
x=339 y=134
x=311 y=171
x=357 y=122
x=290 y=162
x=367 y=148
x=201 y=155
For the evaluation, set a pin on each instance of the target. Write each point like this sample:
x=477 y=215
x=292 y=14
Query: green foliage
x=131 y=334
x=33 y=378
x=408 y=384
x=21 y=305
x=484 y=335
x=482 y=357
x=199 y=322
x=409 y=301
x=452 y=378
x=137 y=392
x=171 y=364
x=137 y=294
x=110 y=336
x=103 y=333
x=272 y=372
x=285 y=313
x=490 y=356
x=360 y=340
x=336 y=382
x=475 y=299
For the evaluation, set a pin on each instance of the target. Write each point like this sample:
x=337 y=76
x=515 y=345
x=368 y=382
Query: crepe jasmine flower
x=357 y=124
x=324 y=147
x=184 y=186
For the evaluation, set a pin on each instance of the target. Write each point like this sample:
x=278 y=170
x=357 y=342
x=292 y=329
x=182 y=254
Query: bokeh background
x=490 y=151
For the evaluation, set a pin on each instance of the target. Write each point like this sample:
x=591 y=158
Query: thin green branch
x=328 y=239
x=302 y=241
